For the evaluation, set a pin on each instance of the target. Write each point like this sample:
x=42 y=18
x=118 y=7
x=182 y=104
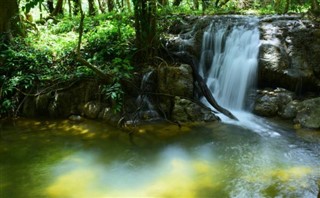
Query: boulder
x=176 y=80
x=266 y=106
x=185 y=111
x=290 y=110
x=272 y=102
x=106 y=114
x=309 y=113
x=92 y=109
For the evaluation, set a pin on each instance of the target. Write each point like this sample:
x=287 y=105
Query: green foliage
x=40 y=60
x=114 y=93
x=110 y=38
x=120 y=69
x=23 y=68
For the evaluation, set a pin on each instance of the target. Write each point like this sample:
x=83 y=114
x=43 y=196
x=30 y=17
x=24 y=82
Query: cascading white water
x=229 y=61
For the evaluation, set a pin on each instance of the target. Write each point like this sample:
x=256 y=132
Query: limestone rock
x=290 y=110
x=266 y=106
x=174 y=81
x=185 y=111
x=66 y=102
x=272 y=102
x=289 y=55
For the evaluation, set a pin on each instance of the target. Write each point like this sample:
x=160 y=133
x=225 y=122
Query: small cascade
x=229 y=60
x=145 y=101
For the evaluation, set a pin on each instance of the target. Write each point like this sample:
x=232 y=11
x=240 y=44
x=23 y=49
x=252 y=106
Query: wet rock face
x=289 y=55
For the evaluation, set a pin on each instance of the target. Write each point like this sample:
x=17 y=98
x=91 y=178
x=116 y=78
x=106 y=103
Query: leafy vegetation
x=39 y=60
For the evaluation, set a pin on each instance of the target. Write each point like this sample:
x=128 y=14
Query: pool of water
x=65 y=159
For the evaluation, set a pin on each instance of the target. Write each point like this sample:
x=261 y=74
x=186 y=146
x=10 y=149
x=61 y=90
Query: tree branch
x=81 y=60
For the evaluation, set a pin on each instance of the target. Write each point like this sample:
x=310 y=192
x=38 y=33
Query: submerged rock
x=76 y=118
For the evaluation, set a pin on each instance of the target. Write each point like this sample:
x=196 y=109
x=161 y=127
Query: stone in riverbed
x=92 y=109
x=272 y=103
x=309 y=113
x=290 y=110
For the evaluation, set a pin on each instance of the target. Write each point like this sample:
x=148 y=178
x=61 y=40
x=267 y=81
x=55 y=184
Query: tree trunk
x=287 y=6
x=128 y=5
x=92 y=10
x=146 y=29
x=70 y=8
x=75 y=7
x=163 y=2
x=205 y=4
x=58 y=9
x=216 y=4
x=315 y=7
x=110 y=5
x=196 y=4
x=101 y=7
x=9 y=17
x=50 y=5
x=176 y=2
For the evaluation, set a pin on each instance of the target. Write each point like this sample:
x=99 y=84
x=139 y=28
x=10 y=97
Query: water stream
x=55 y=159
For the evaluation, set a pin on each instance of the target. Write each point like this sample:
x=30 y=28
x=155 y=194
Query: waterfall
x=228 y=63
x=229 y=60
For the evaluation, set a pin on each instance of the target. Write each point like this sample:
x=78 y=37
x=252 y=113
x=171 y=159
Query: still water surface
x=64 y=159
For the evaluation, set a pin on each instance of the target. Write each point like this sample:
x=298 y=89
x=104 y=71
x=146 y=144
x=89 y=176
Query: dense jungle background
x=49 y=45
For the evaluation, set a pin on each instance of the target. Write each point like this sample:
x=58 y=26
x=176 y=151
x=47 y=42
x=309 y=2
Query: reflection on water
x=89 y=159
